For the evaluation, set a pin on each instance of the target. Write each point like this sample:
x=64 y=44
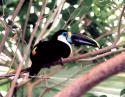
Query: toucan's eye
x=64 y=34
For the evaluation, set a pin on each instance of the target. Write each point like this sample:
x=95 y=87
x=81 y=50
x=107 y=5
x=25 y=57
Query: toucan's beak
x=83 y=40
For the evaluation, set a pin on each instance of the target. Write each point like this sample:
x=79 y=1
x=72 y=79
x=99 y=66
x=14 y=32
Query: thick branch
x=104 y=70
x=70 y=59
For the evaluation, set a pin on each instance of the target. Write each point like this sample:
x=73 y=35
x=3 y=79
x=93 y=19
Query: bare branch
x=104 y=35
x=103 y=55
x=35 y=29
x=119 y=26
x=50 y=20
x=57 y=13
x=13 y=84
x=70 y=59
x=7 y=30
x=26 y=21
x=90 y=54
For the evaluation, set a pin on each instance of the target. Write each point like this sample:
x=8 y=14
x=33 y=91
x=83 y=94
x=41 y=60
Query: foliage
x=122 y=93
x=94 y=18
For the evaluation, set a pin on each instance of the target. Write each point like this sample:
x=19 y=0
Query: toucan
x=59 y=46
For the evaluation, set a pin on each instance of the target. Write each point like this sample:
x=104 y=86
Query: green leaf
x=104 y=14
x=88 y=2
x=1 y=37
x=65 y=15
x=71 y=9
x=51 y=5
x=72 y=2
x=74 y=27
x=83 y=10
x=122 y=92
x=60 y=25
x=89 y=95
x=4 y=84
x=80 y=11
x=96 y=10
x=22 y=91
x=24 y=8
x=103 y=96
x=33 y=18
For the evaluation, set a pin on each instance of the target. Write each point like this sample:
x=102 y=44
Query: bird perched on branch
x=59 y=46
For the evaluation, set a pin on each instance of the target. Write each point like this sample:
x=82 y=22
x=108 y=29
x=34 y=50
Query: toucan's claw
x=61 y=61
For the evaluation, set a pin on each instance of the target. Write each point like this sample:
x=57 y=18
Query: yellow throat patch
x=69 y=34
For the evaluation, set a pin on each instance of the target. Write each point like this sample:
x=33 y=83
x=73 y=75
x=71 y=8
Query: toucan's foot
x=61 y=62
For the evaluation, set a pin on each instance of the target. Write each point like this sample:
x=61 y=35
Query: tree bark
x=98 y=74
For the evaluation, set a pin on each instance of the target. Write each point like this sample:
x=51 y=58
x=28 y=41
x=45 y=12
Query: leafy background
x=94 y=18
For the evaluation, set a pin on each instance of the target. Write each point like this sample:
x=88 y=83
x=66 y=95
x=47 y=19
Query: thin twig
x=54 y=19
x=119 y=27
x=44 y=91
x=103 y=55
x=37 y=82
x=17 y=9
x=90 y=54
x=35 y=29
x=63 y=80
x=104 y=35
x=7 y=30
x=40 y=37
x=26 y=21
x=2 y=5
x=11 y=90
x=13 y=59
x=71 y=17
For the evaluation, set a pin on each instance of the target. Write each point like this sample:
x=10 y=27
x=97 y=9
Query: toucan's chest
x=49 y=51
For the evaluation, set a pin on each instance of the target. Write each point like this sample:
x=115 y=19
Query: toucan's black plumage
x=59 y=46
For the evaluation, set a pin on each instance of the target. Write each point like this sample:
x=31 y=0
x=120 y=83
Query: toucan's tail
x=34 y=69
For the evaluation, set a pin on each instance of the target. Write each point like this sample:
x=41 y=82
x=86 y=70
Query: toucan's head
x=73 y=38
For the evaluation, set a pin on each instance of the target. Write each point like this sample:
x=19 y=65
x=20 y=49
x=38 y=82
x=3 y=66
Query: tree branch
x=104 y=35
x=53 y=15
x=104 y=70
x=119 y=26
x=26 y=21
x=7 y=30
x=55 y=18
x=70 y=59
x=82 y=56
x=103 y=55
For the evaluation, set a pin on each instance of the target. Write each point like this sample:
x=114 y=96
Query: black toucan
x=59 y=46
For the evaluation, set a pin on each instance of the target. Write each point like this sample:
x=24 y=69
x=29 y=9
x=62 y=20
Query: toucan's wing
x=47 y=52
x=34 y=69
